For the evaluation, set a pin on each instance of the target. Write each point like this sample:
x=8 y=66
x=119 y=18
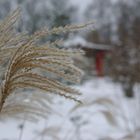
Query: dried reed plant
x=28 y=60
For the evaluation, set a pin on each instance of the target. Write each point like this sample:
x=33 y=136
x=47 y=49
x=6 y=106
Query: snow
x=77 y=40
x=90 y=127
x=80 y=41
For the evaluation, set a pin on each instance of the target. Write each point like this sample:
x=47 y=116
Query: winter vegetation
x=28 y=58
x=44 y=49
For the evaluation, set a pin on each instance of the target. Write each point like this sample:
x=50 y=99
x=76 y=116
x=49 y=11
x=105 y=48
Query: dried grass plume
x=29 y=60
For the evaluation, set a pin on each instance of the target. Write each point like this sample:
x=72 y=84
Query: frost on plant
x=28 y=60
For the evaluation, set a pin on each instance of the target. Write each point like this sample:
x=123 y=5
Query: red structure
x=99 y=62
x=97 y=52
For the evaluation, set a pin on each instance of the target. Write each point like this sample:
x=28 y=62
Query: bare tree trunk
x=128 y=89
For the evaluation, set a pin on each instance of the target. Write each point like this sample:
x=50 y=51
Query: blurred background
x=111 y=64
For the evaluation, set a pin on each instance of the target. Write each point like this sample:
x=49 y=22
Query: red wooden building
x=96 y=51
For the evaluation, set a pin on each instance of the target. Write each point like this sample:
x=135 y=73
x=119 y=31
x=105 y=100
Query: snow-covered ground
x=87 y=123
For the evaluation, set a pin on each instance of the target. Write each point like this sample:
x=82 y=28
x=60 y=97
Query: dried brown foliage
x=28 y=60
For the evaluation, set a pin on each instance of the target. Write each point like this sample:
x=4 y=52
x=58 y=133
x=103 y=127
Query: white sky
x=82 y=5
